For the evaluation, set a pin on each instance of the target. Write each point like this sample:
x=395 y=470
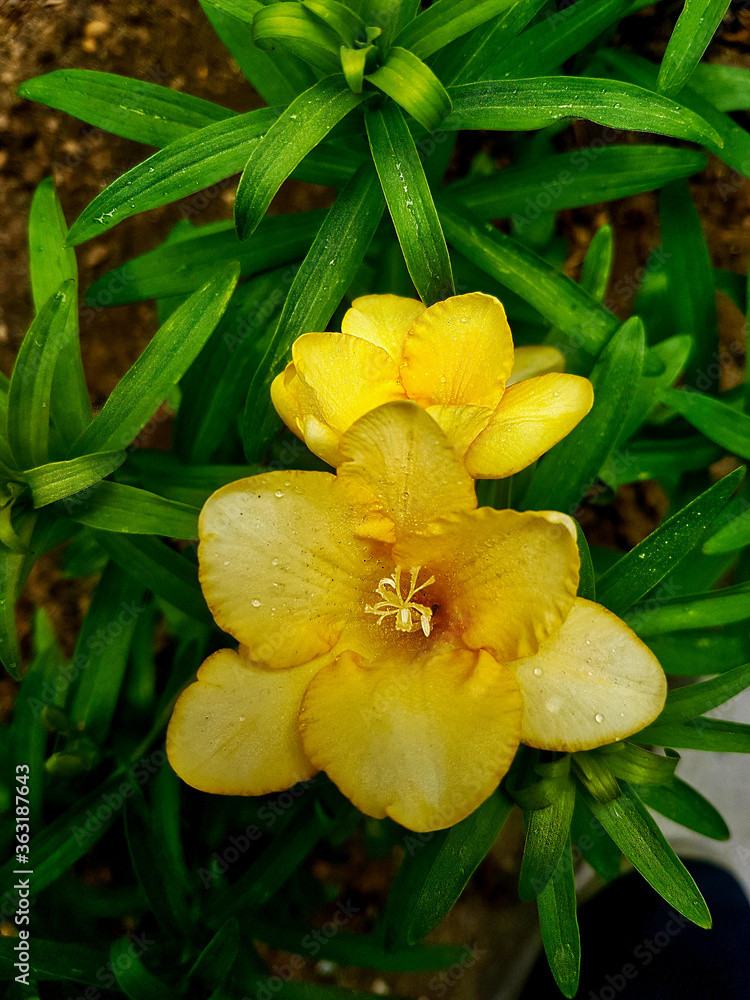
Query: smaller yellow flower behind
x=395 y=636
x=501 y=409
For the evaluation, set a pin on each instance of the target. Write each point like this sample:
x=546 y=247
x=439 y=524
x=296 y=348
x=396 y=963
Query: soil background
x=170 y=42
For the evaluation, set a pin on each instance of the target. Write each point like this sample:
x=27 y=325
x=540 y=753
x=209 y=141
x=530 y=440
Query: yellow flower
x=395 y=636
x=500 y=410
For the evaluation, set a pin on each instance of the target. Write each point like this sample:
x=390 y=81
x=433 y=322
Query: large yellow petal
x=592 y=682
x=533 y=360
x=533 y=416
x=460 y=424
x=234 y=731
x=424 y=742
x=384 y=320
x=400 y=466
x=459 y=351
x=348 y=375
x=280 y=566
x=504 y=580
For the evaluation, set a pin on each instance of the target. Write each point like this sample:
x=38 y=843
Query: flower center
x=408 y=614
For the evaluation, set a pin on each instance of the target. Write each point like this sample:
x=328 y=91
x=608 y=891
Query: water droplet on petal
x=256 y=604
x=274 y=562
x=226 y=562
x=588 y=642
x=599 y=717
x=537 y=671
x=279 y=493
x=242 y=718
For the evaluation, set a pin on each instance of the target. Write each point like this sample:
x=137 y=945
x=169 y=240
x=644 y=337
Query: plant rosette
x=501 y=409
x=396 y=636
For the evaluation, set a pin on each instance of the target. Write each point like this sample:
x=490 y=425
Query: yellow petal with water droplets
x=384 y=320
x=592 y=682
x=424 y=741
x=533 y=360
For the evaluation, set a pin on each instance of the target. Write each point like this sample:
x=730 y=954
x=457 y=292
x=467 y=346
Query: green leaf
x=558 y=921
x=719 y=422
x=59 y=961
x=101 y=654
x=164 y=361
x=732 y=536
x=435 y=870
x=467 y=59
x=215 y=387
x=51 y=264
x=632 y=828
x=410 y=203
x=169 y=575
x=586 y=580
x=161 y=885
x=567 y=471
x=733 y=285
x=132 y=976
x=685 y=703
x=692 y=34
x=553 y=294
x=703 y=651
x=115 y=507
x=662 y=365
x=641 y=460
x=179 y=267
x=216 y=959
x=634 y=763
x=734 y=148
x=12 y=576
x=58 y=480
x=445 y=21
x=299 y=128
x=297 y=31
x=726 y=87
x=31 y=382
x=135 y=109
x=390 y=15
x=347 y=24
x=335 y=257
x=547 y=835
x=643 y=567
x=279 y=77
x=596 y=846
x=687 y=265
x=162 y=473
x=681 y=803
x=717 y=607
x=573 y=179
x=515 y=104
x=413 y=85
x=703 y=733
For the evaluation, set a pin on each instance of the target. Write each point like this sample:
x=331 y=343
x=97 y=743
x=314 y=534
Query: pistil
x=409 y=615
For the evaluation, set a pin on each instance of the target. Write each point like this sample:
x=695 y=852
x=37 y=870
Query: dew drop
x=242 y=718
x=537 y=671
x=599 y=717
x=226 y=562
x=279 y=493
x=404 y=496
x=256 y=604
x=588 y=642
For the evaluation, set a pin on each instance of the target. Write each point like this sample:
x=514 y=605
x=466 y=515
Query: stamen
x=409 y=615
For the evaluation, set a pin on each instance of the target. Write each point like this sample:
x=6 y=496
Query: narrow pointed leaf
x=566 y=472
x=435 y=870
x=169 y=575
x=11 y=579
x=177 y=268
x=166 y=359
x=58 y=480
x=685 y=703
x=703 y=733
x=681 y=803
x=726 y=87
x=410 y=203
x=717 y=607
x=731 y=537
x=635 y=832
x=719 y=422
x=558 y=920
x=335 y=257
x=552 y=293
x=692 y=34
x=305 y=123
x=134 y=109
x=643 y=567
x=547 y=834
x=580 y=177
x=535 y=103
x=412 y=84
x=116 y=507
x=445 y=21
x=31 y=382
x=347 y=24
x=279 y=76
x=51 y=264
x=298 y=32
